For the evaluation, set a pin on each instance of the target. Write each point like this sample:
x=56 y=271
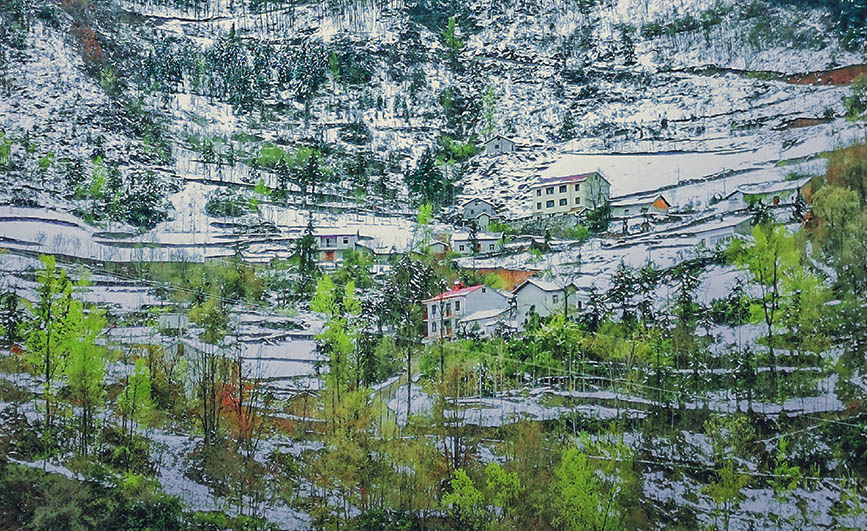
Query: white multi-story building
x=551 y=196
x=444 y=312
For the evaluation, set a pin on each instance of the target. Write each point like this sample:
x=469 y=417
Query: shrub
x=226 y=204
x=356 y=133
x=580 y=233
x=856 y=103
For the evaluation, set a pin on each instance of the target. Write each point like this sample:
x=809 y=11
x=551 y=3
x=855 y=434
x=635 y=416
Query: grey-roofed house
x=771 y=194
x=488 y=323
x=479 y=211
x=544 y=297
x=498 y=145
x=487 y=243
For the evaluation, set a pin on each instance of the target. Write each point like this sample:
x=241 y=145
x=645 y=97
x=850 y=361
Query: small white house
x=479 y=211
x=473 y=207
x=625 y=208
x=543 y=297
x=444 y=312
x=771 y=194
x=498 y=145
x=437 y=247
x=721 y=234
x=713 y=232
x=488 y=323
x=487 y=243
x=332 y=243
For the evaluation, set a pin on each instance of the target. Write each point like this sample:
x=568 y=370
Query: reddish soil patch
x=837 y=76
x=802 y=122
x=510 y=277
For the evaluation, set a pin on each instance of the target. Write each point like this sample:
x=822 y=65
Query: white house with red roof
x=551 y=196
x=444 y=312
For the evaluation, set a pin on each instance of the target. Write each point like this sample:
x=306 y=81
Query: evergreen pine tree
x=306 y=251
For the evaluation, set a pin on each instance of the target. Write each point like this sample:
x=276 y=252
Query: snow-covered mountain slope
x=694 y=97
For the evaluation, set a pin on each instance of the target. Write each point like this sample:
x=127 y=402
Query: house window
x=490 y=246
x=555 y=298
x=625 y=211
x=577 y=187
x=471 y=211
x=457 y=306
x=549 y=204
x=538 y=192
x=461 y=247
x=484 y=290
x=564 y=202
x=549 y=190
x=433 y=310
x=562 y=188
x=345 y=241
x=577 y=200
x=496 y=146
x=433 y=327
x=538 y=206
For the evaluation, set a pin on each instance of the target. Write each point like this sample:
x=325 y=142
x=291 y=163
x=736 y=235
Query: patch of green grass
x=791 y=162
x=245 y=137
x=9 y=392
x=763 y=75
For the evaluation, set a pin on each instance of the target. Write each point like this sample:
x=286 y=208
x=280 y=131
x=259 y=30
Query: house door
x=329 y=256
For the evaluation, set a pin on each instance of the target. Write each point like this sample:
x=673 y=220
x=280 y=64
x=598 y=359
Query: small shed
x=475 y=206
x=498 y=145
x=625 y=208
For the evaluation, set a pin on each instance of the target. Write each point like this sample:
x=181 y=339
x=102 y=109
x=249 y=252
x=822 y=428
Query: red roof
x=457 y=292
x=567 y=179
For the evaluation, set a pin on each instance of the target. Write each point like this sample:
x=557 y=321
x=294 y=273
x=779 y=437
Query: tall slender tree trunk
x=408 y=382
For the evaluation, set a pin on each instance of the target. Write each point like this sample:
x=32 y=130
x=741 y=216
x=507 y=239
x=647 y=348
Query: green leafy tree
x=134 y=406
x=45 y=333
x=773 y=257
x=503 y=491
x=581 y=503
x=465 y=502
x=411 y=282
x=423 y=220
x=731 y=438
x=5 y=150
x=453 y=44
x=337 y=337
x=85 y=367
x=208 y=364
x=11 y=316
x=489 y=104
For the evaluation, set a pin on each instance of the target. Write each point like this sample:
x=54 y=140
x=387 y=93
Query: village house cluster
x=484 y=311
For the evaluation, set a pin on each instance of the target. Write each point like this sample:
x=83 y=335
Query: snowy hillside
x=257 y=207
